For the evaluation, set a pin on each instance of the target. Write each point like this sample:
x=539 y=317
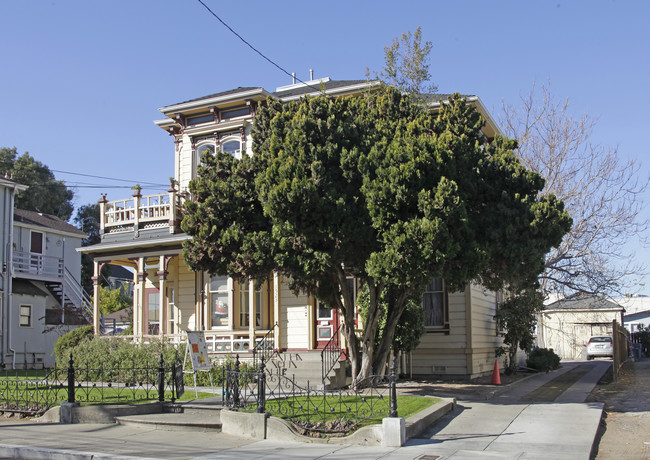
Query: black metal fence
x=90 y=384
x=311 y=410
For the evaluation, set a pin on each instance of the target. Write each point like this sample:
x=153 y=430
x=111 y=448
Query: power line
x=151 y=184
x=256 y=50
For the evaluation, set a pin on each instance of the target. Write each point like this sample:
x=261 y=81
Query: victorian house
x=142 y=232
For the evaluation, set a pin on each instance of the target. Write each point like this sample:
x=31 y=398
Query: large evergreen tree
x=45 y=194
x=377 y=188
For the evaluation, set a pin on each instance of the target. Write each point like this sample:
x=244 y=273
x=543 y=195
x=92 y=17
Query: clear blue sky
x=81 y=81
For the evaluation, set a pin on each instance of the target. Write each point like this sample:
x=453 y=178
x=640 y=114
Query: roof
x=39 y=219
x=10 y=182
x=584 y=302
x=24 y=287
x=316 y=86
x=123 y=315
x=240 y=89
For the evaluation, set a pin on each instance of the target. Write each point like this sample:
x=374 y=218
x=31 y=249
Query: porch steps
x=305 y=368
x=195 y=416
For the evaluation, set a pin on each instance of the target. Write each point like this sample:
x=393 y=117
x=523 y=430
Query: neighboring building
x=637 y=312
x=41 y=294
x=143 y=233
x=566 y=325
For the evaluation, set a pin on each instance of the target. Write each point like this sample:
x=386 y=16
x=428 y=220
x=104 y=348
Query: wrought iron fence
x=311 y=410
x=86 y=384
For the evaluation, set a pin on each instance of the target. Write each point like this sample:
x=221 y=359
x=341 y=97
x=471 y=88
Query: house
x=144 y=234
x=637 y=312
x=566 y=325
x=41 y=297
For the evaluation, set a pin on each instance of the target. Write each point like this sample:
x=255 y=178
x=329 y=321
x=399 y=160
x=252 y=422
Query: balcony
x=37 y=266
x=141 y=213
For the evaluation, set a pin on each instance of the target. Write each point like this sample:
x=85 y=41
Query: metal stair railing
x=331 y=354
x=262 y=349
x=75 y=292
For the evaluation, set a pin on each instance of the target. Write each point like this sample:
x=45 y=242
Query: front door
x=326 y=321
x=36 y=251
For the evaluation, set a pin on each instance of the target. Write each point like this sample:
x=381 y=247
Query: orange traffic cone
x=496 y=377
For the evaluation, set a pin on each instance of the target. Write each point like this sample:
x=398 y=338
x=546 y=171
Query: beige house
x=566 y=325
x=143 y=233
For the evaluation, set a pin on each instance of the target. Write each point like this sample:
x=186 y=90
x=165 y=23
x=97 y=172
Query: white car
x=600 y=345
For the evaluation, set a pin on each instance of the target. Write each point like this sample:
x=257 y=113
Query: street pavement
x=536 y=418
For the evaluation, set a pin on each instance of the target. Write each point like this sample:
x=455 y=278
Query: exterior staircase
x=305 y=368
x=202 y=415
x=71 y=295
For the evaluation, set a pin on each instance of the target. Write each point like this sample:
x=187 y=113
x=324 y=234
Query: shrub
x=543 y=359
x=71 y=340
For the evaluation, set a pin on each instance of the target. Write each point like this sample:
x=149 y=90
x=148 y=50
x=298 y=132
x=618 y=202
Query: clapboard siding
x=294 y=323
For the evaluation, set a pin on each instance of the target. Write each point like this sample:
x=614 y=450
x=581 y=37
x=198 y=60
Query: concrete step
x=190 y=419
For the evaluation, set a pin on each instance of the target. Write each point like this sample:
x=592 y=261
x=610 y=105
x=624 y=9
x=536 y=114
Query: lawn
x=355 y=411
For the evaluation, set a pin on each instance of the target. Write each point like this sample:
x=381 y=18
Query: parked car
x=600 y=345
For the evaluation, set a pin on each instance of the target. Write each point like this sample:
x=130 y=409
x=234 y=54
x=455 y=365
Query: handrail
x=82 y=298
x=331 y=354
x=39 y=265
x=262 y=347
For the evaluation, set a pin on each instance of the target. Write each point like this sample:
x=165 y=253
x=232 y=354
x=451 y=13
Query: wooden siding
x=185 y=285
x=294 y=322
x=469 y=348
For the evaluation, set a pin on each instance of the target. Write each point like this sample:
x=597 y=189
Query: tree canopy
x=45 y=194
x=378 y=188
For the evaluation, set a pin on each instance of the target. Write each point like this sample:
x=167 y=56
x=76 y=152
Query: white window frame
x=28 y=316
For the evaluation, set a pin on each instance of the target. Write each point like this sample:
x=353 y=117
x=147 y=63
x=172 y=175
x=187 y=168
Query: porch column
x=276 y=310
x=96 y=313
x=140 y=328
x=162 y=286
x=251 y=314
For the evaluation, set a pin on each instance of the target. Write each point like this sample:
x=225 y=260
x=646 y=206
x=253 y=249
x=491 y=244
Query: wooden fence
x=621 y=347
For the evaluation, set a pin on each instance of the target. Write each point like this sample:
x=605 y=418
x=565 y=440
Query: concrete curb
x=278 y=429
x=98 y=413
x=417 y=423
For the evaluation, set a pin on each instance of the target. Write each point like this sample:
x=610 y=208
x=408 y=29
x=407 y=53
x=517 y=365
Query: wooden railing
x=140 y=212
x=37 y=266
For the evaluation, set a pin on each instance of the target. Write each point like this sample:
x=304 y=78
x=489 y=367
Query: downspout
x=10 y=279
x=6 y=275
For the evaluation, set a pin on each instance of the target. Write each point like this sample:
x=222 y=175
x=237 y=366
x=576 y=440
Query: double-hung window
x=434 y=304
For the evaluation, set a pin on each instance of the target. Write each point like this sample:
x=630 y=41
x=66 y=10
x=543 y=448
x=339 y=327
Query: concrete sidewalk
x=503 y=427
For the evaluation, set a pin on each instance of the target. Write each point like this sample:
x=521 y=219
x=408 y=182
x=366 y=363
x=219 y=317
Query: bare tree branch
x=602 y=192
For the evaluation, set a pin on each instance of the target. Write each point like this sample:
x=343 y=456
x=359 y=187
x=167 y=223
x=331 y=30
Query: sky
x=81 y=81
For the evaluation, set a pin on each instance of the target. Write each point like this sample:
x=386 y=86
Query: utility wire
x=151 y=184
x=256 y=50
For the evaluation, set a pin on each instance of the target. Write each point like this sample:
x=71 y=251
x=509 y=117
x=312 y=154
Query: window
x=233 y=148
x=434 y=303
x=219 y=300
x=244 y=304
x=25 y=316
x=202 y=148
x=200 y=118
x=238 y=112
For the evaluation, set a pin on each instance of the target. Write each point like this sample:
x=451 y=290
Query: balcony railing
x=140 y=212
x=37 y=266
